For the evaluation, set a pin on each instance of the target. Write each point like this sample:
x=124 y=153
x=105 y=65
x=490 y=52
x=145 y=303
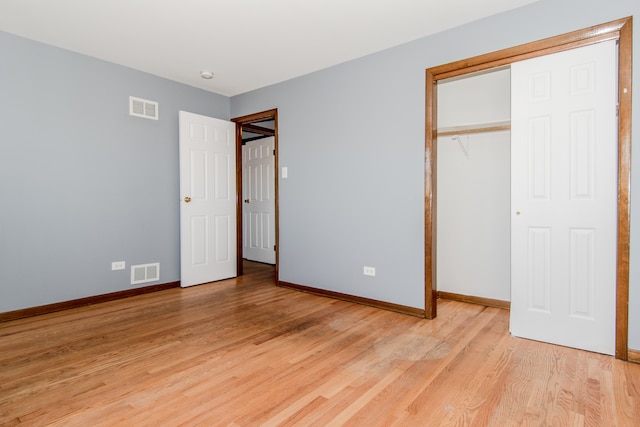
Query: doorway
x=619 y=30
x=473 y=187
x=254 y=127
x=258 y=194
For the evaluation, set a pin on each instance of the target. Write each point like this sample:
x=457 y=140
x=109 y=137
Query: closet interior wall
x=473 y=185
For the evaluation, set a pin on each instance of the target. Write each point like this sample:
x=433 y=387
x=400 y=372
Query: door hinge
x=274 y=247
x=274 y=151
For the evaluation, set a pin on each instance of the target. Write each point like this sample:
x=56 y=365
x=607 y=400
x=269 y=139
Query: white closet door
x=564 y=198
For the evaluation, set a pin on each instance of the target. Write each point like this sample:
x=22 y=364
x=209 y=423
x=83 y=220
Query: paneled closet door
x=563 y=200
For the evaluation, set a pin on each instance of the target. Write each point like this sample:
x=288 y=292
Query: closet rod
x=479 y=128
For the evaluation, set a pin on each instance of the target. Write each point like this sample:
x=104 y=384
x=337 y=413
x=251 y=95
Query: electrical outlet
x=118 y=265
x=369 y=271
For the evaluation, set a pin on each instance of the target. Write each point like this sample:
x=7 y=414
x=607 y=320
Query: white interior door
x=208 y=199
x=563 y=200
x=259 y=207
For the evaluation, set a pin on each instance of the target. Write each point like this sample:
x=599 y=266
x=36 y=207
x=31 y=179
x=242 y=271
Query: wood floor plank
x=244 y=352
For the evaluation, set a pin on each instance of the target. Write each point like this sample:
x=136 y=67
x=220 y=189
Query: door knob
x=187 y=199
x=246 y=200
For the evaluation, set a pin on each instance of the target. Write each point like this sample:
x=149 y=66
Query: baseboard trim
x=411 y=311
x=81 y=302
x=633 y=356
x=475 y=300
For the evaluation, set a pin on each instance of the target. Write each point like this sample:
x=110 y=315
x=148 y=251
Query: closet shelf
x=477 y=128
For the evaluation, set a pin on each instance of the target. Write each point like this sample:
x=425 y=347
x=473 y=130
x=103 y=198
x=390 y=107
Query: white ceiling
x=247 y=44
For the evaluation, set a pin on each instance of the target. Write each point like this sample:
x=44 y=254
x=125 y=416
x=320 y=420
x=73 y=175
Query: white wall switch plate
x=285 y=172
x=118 y=265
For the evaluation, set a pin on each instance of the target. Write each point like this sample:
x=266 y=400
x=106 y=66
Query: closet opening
x=620 y=31
x=473 y=187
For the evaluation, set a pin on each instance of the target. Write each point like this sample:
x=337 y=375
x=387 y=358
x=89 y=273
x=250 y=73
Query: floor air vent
x=143 y=108
x=144 y=273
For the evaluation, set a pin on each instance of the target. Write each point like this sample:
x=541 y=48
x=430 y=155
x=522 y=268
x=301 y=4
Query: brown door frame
x=246 y=120
x=620 y=30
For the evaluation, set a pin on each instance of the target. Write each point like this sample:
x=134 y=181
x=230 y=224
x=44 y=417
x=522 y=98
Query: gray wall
x=355 y=190
x=83 y=183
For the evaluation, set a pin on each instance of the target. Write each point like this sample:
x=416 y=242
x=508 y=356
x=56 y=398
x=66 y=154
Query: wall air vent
x=143 y=273
x=143 y=108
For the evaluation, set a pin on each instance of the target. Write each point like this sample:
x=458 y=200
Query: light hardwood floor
x=244 y=352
